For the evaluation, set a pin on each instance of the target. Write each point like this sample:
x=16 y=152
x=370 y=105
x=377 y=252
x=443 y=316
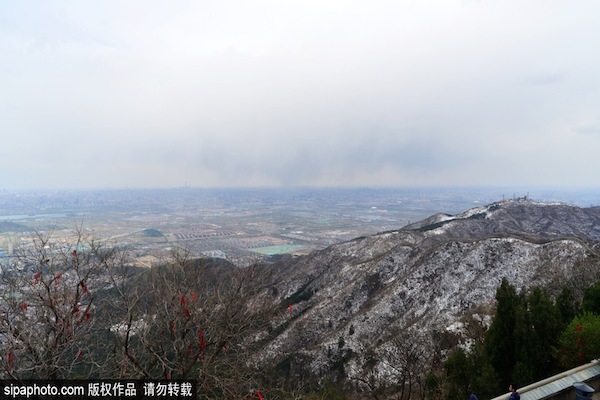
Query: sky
x=285 y=93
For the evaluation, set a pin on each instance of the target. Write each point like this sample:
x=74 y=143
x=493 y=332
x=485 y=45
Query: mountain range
x=359 y=310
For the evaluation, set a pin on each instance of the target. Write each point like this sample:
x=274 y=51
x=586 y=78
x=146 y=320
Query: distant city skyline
x=331 y=93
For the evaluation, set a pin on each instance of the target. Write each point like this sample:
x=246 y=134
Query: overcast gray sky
x=104 y=94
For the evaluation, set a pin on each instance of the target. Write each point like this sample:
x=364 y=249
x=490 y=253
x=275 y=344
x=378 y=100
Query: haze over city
x=299 y=93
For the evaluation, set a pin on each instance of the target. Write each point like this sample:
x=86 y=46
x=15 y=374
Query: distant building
x=215 y=254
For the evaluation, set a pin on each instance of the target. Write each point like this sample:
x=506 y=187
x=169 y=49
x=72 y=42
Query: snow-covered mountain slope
x=350 y=301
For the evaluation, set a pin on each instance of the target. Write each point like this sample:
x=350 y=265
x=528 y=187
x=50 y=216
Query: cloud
x=300 y=92
x=589 y=129
x=543 y=79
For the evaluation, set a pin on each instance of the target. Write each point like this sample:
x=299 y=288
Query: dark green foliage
x=484 y=380
x=458 y=371
x=433 y=384
x=500 y=339
x=591 y=299
x=536 y=332
x=470 y=373
x=580 y=342
x=524 y=332
x=531 y=337
x=567 y=306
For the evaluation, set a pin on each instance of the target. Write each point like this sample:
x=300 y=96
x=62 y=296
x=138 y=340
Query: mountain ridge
x=352 y=300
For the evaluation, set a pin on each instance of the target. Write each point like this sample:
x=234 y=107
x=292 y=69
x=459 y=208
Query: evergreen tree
x=536 y=333
x=500 y=338
x=591 y=299
x=566 y=306
x=524 y=342
x=483 y=379
x=545 y=320
x=458 y=372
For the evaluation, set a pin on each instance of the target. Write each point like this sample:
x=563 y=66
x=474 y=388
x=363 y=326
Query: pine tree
x=567 y=306
x=591 y=299
x=500 y=339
